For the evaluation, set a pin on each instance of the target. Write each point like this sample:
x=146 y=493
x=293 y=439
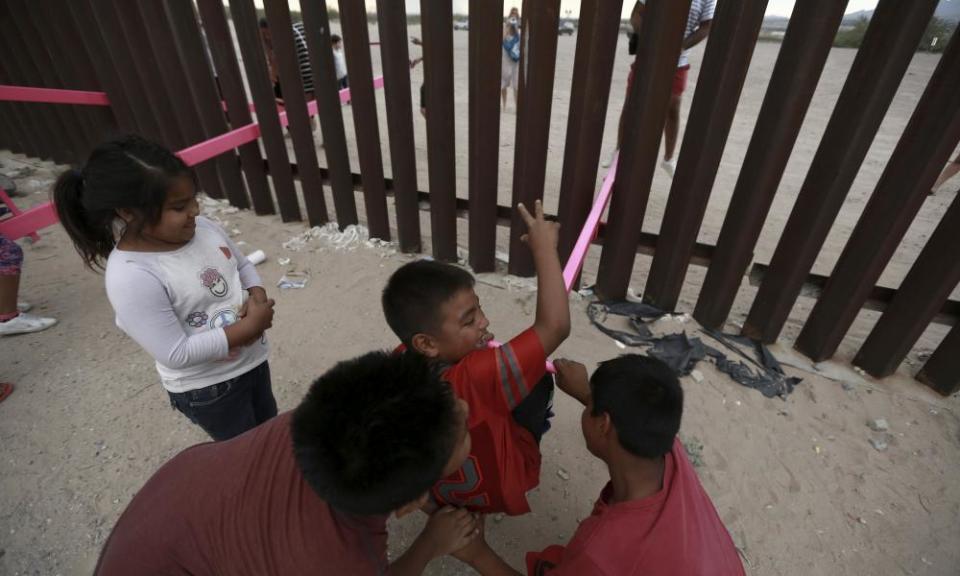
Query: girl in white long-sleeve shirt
x=178 y=285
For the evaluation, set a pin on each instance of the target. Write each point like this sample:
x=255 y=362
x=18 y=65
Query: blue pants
x=230 y=408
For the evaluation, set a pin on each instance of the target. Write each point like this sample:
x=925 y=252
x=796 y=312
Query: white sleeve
x=145 y=313
x=248 y=272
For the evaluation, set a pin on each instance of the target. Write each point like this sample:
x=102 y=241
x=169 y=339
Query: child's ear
x=425 y=344
x=126 y=215
x=412 y=506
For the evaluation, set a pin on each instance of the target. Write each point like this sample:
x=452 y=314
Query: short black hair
x=415 y=292
x=644 y=400
x=375 y=433
x=334 y=39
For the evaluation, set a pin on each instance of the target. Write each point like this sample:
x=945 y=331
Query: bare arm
x=552 y=323
x=699 y=36
x=448 y=529
x=572 y=378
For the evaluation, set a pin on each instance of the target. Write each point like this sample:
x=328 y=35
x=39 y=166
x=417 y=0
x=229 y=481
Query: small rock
x=696 y=375
x=879 y=444
x=847 y=386
x=563 y=474
x=498 y=517
x=878 y=425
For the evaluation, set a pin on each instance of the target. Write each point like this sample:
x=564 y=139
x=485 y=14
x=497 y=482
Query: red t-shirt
x=240 y=507
x=504 y=463
x=674 y=532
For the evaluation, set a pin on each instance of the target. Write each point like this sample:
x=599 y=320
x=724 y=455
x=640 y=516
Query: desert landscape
x=797 y=480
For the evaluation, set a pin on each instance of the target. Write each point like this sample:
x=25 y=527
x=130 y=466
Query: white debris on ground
x=349 y=239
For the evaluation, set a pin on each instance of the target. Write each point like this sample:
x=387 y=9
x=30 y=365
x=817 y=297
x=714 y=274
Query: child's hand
x=450 y=529
x=259 y=312
x=471 y=551
x=572 y=378
x=541 y=234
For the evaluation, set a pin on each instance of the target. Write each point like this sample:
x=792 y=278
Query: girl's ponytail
x=93 y=241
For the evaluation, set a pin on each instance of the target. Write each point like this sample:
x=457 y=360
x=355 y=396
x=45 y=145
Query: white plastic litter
x=295 y=281
x=257 y=257
x=283 y=261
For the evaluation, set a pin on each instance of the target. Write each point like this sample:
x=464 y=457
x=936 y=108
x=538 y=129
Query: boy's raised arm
x=552 y=323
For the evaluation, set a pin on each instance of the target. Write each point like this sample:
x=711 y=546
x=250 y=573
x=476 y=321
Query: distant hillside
x=947 y=10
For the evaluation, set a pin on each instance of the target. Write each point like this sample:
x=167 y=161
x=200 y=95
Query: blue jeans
x=232 y=407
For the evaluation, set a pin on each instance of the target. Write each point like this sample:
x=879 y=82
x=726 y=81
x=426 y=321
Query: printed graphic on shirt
x=458 y=486
x=197 y=319
x=226 y=251
x=213 y=280
x=223 y=318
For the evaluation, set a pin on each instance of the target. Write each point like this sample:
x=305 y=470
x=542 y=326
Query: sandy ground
x=796 y=481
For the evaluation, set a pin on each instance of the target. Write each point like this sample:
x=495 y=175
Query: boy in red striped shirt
x=433 y=309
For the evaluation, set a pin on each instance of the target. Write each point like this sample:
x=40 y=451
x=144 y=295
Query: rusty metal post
x=254 y=61
x=486 y=35
x=924 y=148
x=537 y=66
x=881 y=62
x=392 y=21
x=295 y=104
x=157 y=45
x=81 y=69
x=56 y=139
x=316 y=26
x=437 y=19
x=661 y=35
x=921 y=295
x=105 y=66
x=733 y=36
x=942 y=370
x=597 y=35
x=231 y=85
x=803 y=53
x=356 y=45
x=64 y=62
x=204 y=94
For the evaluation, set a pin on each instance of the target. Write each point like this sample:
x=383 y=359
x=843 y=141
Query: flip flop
x=6 y=389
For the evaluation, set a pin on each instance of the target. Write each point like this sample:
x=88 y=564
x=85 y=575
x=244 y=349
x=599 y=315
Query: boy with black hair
x=435 y=312
x=310 y=491
x=653 y=517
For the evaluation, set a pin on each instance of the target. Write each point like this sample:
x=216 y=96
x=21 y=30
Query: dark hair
x=335 y=39
x=129 y=172
x=644 y=400
x=375 y=432
x=415 y=292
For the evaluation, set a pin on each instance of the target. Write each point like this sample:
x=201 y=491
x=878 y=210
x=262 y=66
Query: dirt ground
x=796 y=481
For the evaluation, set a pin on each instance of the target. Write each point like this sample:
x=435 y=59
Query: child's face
x=462 y=330
x=178 y=218
x=337 y=46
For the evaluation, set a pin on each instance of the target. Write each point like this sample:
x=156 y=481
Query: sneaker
x=670 y=166
x=25 y=324
x=24 y=306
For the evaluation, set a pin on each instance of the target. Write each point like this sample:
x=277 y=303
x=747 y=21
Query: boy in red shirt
x=653 y=517
x=309 y=491
x=435 y=312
